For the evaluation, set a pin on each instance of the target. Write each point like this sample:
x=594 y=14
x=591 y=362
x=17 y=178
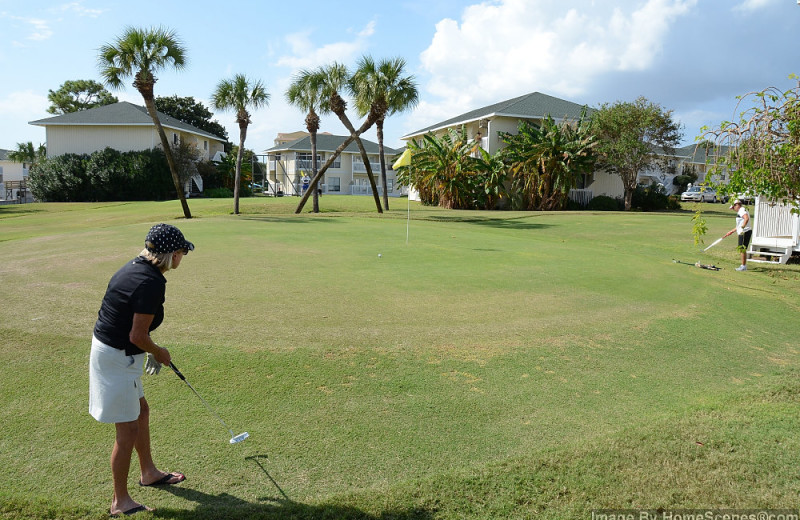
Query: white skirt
x=115 y=383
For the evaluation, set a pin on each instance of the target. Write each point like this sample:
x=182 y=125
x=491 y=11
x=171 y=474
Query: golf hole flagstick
x=710 y=267
x=235 y=439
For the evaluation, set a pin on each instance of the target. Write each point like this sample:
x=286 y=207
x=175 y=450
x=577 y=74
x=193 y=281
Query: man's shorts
x=115 y=383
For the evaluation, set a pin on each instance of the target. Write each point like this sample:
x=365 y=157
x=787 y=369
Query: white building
x=289 y=160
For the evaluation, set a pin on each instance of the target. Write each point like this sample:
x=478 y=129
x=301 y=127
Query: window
x=389 y=185
x=337 y=163
x=334 y=184
x=174 y=138
x=304 y=161
x=205 y=145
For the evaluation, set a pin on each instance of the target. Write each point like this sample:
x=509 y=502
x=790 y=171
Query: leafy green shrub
x=213 y=176
x=674 y=202
x=104 y=175
x=218 y=193
x=574 y=205
x=61 y=179
x=603 y=203
x=649 y=198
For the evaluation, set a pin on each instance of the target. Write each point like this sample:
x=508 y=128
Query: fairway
x=495 y=365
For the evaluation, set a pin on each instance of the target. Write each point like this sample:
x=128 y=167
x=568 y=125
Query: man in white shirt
x=743 y=229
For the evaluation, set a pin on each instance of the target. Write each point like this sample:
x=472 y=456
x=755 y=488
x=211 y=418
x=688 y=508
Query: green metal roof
x=697 y=153
x=329 y=143
x=530 y=106
x=122 y=113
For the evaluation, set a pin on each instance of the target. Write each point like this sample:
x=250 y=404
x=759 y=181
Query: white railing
x=305 y=164
x=359 y=167
x=582 y=197
x=775 y=220
x=364 y=189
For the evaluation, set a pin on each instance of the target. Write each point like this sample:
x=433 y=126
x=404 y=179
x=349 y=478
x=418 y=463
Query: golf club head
x=239 y=438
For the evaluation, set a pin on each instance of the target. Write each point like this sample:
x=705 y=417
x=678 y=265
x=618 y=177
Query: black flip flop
x=165 y=480
x=129 y=512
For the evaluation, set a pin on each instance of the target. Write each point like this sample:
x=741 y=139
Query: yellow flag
x=404 y=160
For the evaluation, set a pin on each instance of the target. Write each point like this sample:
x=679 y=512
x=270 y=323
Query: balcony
x=359 y=167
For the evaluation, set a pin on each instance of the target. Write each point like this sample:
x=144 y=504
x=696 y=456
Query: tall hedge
x=103 y=176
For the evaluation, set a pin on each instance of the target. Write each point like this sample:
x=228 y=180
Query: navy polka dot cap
x=163 y=238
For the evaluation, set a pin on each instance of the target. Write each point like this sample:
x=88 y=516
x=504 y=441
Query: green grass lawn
x=496 y=365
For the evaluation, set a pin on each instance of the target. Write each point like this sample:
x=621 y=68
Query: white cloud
x=510 y=47
x=305 y=54
x=18 y=108
x=753 y=5
x=80 y=10
x=41 y=29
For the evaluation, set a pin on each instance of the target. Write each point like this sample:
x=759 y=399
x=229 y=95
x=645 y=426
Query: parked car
x=746 y=197
x=699 y=194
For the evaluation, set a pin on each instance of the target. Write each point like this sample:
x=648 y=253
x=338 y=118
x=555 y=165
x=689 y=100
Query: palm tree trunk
x=347 y=124
x=237 y=182
x=314 y=171
x=149 y=102
x=313 y=184
x=379 y=127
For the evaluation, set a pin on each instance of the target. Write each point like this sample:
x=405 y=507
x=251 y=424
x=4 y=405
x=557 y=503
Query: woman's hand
x=162 y=355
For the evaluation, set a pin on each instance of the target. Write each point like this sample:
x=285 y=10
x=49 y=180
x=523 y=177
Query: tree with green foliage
x=140 y=53
x=305 y=93
x=226 y=169
x=27 y=154
x=443 y=167
x=493 y=175
x=381 y=88
x=239 y=94
x=191 y=112
x=546 y=161
x=75 y=95
x=761 y=152
x=687 y=175
x=632 y=137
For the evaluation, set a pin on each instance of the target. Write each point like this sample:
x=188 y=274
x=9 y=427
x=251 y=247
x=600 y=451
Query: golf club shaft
x=717 y=241
x=183 y=378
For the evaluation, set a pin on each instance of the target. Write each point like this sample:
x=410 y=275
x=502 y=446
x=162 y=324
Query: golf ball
x=379 y=255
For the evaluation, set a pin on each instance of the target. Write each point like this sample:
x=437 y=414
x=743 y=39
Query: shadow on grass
x=521 y=222
x=277 y=506
x=288 y=219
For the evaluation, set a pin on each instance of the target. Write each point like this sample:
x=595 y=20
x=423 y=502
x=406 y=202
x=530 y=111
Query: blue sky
x=691 y=56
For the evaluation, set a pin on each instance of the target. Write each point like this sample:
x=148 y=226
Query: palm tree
x=27 y=154
x=381 y=88
x=140 y=53
x=305 y=92
x=239 y=94
x=335 y=78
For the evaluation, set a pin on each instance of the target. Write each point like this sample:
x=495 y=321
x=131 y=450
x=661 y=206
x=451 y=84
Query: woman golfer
x=743 y=229
x=132 y=307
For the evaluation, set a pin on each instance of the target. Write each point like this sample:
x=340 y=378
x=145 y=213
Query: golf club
x=235 y=439
x=717 y=241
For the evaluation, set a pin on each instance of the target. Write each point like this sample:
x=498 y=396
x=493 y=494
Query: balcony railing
x=364 y=190
x=305 y=164
x=359 y=167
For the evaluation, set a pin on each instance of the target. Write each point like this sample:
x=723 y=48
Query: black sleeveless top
x=138 y=287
